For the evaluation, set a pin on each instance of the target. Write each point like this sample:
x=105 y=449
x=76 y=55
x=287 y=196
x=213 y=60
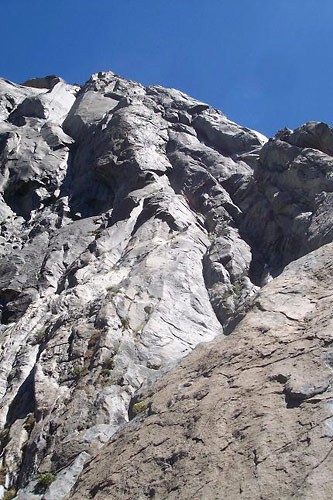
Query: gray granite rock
x=136 y=223
x=247 y=417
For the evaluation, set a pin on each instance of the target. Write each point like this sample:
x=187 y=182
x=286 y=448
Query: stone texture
x=136 y=223
x=248 y=416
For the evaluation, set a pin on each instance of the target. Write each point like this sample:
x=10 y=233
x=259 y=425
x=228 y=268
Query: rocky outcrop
x=248 y=416
x=288 y=203
x=136 y=223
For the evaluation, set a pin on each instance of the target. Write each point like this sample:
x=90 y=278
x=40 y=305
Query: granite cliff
x=137 y=223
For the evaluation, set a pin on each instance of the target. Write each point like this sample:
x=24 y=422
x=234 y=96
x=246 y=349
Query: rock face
x=248 y=416
x=136 y=223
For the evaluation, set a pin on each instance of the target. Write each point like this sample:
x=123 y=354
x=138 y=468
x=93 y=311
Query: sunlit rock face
x=137 y=223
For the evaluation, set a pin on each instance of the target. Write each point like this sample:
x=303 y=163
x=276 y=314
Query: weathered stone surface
x=11 y=95
x=46 y=82
x=226 y=136
x=287 y=204
x=136 y=223
x=248 y=416
x=313 y=135
x=51 y=105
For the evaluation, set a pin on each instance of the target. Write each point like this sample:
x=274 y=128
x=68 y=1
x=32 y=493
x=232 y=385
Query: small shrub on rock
x=44 y=481
x=9 y=495
x=139 y=407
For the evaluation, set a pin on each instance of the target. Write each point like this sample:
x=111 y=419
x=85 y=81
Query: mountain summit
x=136 y=224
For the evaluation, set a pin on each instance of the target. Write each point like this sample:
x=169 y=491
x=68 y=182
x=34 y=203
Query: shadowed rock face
x=136 y=223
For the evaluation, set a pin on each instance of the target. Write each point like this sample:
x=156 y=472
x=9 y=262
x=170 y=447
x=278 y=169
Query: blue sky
x=267 y=64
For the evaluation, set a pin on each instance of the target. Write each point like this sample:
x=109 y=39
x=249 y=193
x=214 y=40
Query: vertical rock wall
x=136 y=223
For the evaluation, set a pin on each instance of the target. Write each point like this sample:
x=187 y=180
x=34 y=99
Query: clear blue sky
x=266 y=63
